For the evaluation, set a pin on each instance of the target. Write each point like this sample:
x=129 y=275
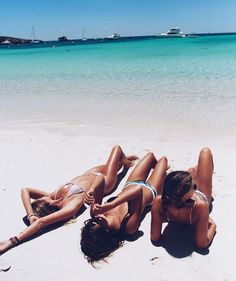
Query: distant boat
x=114 y=36
x=33 y=37
x=173 y=32
x=62 y=38
x=83 y=34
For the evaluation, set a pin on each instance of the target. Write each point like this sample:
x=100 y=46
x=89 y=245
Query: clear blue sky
x=54 y=18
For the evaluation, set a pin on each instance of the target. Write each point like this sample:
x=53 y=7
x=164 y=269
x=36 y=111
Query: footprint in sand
x=153 y=260
x=4 y=266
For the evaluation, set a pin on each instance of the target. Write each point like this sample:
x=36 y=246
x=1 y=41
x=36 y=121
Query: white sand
x=45 y=160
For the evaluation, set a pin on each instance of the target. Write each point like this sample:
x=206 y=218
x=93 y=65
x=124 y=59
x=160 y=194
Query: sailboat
x=83 y=34
x=33 y=37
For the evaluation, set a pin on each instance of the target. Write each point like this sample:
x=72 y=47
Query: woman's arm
x=132 y=221
x=133 y=195
x=26 y=195
x=127 y=194
x=205 y=228
x=65 y=213
x=96 y=191
x=156 y=220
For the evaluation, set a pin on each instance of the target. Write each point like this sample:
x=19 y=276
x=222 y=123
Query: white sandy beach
x=45 y=160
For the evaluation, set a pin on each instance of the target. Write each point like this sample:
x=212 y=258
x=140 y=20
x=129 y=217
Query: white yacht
x=114 y=36
x=173 y=32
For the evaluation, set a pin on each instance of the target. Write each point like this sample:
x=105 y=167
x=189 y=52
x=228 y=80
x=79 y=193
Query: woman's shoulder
x=200 y=204
x=200 y=209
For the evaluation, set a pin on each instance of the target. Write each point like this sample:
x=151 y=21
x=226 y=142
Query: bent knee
x=206 y=151
x=116 y=148
x=163 y=158
x=23 y=190
x=150 y=155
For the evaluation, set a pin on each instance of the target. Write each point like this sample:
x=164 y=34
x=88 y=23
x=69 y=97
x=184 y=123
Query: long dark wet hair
x=175 y=186
x=98 y=242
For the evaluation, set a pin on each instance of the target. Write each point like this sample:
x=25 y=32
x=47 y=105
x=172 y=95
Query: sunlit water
x=183 y=87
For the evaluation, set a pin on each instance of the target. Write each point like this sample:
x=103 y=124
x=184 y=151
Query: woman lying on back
x=121 y=215
x=186 y=198
x=64 y=203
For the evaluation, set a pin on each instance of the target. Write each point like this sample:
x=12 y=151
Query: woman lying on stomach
x=64 y=203
x=186 y=198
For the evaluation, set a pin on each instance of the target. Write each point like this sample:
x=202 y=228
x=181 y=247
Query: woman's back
x=186 y=214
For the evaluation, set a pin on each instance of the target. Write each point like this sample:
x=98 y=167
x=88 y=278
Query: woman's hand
x=88 y=197
x=100 y=209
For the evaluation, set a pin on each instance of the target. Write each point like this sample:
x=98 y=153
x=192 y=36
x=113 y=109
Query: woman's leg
x=204 y=172
x=115 y=162
x=158 y=174
x=143 y=168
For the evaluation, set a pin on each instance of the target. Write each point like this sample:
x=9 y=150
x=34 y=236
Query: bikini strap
x=190 y=215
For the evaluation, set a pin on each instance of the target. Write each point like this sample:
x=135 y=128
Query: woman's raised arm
x=126 y=195
x=26 y=195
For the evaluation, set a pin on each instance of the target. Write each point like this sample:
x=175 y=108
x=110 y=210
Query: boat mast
x=83 y=32
x=33 y=38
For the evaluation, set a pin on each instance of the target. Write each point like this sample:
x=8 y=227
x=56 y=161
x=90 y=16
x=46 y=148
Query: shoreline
x=17 y=42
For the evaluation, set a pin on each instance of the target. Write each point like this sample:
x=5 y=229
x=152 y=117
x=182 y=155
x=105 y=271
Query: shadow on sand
x=179 y=240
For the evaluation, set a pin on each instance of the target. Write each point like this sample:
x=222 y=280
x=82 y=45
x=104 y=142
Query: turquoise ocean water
x=183 y=87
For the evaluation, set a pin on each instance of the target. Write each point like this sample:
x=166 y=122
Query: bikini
x=139 y=182
x=202 y=195
x=196 y=199
x=145 y=184
x=75 y=188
